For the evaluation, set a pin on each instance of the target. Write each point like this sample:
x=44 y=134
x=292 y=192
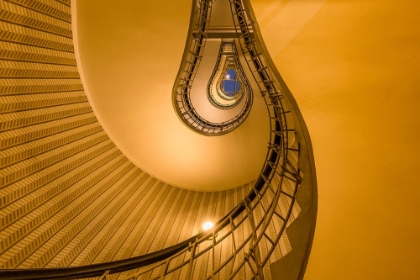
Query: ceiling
x=352 y=67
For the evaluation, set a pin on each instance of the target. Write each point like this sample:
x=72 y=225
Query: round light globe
x=207 y=226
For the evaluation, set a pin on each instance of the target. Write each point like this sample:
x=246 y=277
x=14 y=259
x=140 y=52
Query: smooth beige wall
x=353 y=67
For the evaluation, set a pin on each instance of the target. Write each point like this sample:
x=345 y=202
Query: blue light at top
x=230 y=85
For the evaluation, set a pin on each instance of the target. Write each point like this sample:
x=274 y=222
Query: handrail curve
x=214 y=95
x=255 y=229
x=190 y=63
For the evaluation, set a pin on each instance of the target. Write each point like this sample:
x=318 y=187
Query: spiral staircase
x=73 y=205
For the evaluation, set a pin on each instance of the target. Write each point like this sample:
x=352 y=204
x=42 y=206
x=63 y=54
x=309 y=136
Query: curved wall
x=131 y=52
x=68 y=196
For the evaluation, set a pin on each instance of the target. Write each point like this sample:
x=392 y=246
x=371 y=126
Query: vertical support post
x=191 y=264
x=213 y=241
x=255 y=250
x=165 y=269
x=232 y=229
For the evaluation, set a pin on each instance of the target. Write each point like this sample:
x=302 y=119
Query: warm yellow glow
x=207 y=226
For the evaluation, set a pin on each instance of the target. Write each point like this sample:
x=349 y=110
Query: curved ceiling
x=130 y=71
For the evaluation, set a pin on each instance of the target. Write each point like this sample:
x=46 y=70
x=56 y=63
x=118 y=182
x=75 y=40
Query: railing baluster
x=191 y=263
x=255 y=252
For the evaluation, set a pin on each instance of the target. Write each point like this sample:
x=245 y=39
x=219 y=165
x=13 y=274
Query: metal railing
x=253 y=234
x=245 y=89
x=181 y=95
x=267 y=210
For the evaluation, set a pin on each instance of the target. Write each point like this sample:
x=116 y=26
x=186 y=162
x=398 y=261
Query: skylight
x=230 y=85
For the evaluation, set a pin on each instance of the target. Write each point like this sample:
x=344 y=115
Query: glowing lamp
x=207 y=226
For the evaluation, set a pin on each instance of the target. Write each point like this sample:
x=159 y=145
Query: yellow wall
x=353 y=67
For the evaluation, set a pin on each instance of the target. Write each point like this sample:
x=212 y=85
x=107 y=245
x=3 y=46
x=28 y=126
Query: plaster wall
x=353 y=68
